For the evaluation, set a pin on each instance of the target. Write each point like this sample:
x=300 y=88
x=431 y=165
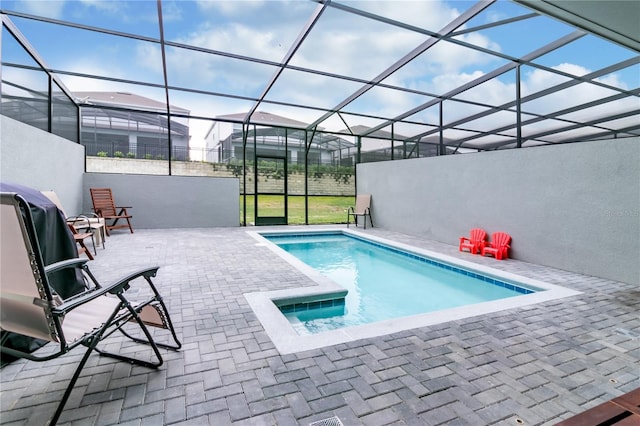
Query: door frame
x=270 y=220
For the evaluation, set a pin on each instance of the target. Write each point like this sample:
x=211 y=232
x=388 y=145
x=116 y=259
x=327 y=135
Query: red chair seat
x=475 y=242
x=498 y=247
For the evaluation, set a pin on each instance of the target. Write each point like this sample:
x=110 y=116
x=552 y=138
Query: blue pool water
x=382 y=282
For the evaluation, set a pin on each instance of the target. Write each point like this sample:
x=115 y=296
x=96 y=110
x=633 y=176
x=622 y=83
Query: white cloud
x=251 y=41
x=149 y=57
x=361 y=50
x=51 y=9
x=230 y=8
x=104 y=6
x=431 y=15
x=578 y=94
x=339 y=44
x=496 y=16
x=171 y=13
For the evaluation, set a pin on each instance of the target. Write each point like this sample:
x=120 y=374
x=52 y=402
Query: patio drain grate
x=331 y=421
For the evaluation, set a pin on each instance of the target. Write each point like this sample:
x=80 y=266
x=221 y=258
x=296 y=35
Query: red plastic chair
x=499 y=246
x=475 y=242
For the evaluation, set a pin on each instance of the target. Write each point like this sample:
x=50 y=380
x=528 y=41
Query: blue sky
x=340 y=43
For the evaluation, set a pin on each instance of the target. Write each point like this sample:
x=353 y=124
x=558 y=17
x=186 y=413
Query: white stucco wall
x=171 y=201
x=40 y=160
x=575 y=206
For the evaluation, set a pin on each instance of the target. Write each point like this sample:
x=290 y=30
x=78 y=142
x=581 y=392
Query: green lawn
x=322 y=209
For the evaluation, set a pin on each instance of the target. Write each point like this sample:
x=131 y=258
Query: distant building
x=123 y=124
x=224 y=141
x=381 y=145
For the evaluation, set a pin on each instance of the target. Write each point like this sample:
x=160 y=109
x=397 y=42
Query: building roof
x=261 y=117
x=124 y=99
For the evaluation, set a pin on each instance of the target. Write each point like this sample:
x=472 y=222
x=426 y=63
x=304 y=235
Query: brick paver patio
x=534 y=365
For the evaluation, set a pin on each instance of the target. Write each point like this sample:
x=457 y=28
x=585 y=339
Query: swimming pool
x=287 y=340
x=382 y=282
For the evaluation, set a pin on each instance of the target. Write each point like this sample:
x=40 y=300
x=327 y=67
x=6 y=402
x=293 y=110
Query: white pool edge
x=287 y=340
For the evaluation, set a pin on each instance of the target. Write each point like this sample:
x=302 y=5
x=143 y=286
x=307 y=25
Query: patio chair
x=106 y=208
x=362 y=208
x=79 y=238
x=498 y=247
x=82 y=222
x=31 y=306
x=475 y=242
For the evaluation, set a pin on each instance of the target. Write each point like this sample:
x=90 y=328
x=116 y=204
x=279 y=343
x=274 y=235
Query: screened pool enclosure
x=290 y=96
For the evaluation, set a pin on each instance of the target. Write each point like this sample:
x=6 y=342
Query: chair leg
x=71 y=384
x=99 y=231
x=87 y=251
x=102 y=235
x=149 y=340
x=113 y=225
x=81 y=249
x=93 y=241
x=84 y=249
x=91 y=345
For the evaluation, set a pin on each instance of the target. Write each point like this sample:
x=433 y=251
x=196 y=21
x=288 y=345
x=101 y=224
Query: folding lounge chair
x=362 y=208
x=498 y=247
x=105 y=207
x=475 y=242
x=31 y=307
x=82 y=222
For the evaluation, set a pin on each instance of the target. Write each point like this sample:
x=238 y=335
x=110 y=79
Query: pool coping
x=288 y=341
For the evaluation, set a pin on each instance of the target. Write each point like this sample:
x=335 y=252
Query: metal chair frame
x=34 y=309
x=362 y=208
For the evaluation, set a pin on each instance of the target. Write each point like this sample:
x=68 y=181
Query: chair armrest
x=123 y=207
x=463 y=239
x=83 y=220
x=83 y=216
x=116 y=287
x=146 y=273
x=69 y=263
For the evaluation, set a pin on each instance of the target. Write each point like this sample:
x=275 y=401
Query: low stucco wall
x=43 y=161
x=574 y=207
x=171 y=201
